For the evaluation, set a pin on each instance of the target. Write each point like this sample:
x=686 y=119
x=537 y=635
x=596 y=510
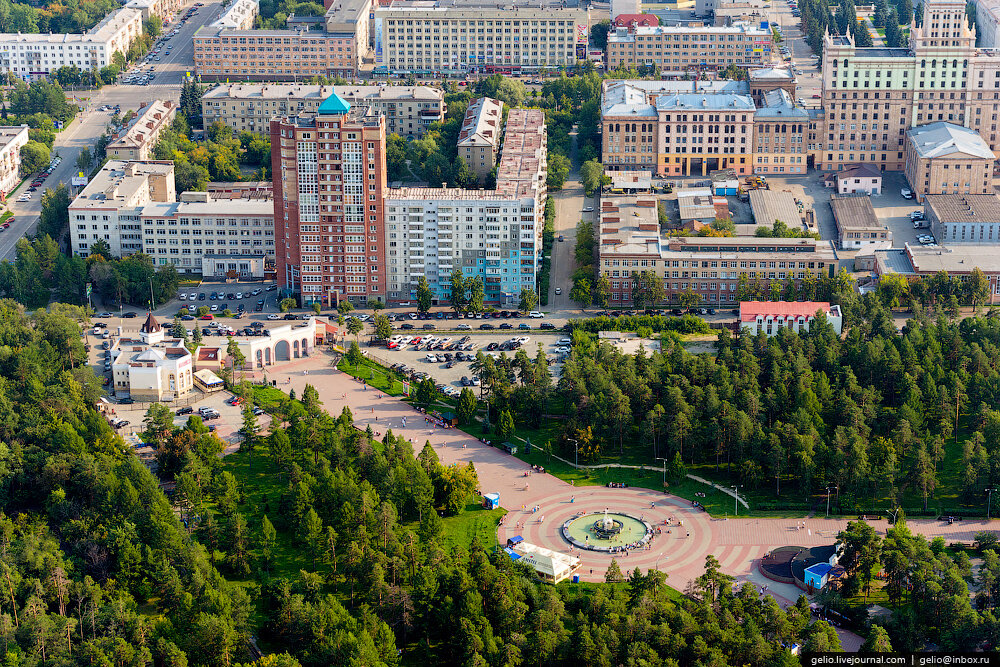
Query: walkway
x=738 y=543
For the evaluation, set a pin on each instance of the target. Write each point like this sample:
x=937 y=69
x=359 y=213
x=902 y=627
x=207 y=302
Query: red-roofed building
x=636 y=20
x=769 y=317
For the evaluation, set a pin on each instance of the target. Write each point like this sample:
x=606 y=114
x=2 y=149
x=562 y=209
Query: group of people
x=617 y=485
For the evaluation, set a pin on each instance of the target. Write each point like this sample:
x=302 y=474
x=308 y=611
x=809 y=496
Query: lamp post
x=736 y=500
x=656 y=566
x=661 y=458
x=576 y=444
x=828 y=499
x=989 y=497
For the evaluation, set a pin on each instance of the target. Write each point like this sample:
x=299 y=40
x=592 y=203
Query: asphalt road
x=88 y=126
x=809 y=76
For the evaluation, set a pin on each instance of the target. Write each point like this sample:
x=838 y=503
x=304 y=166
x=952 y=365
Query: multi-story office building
x=942 y=158
x=329 y=173
x=221 y=51
x=690 y=48
x=479 y=36
x=133 y=207
x=677 y=128
x=779 y=133
x=960 y=219
x=957 y=260
x=872 y=96
x=479 y=137
x=32 y=56
x=11 y=141
x=408 y=110
x=492 y=234
x=631 y=242
x=137 y=142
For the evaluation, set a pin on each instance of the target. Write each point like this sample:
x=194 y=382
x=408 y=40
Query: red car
x=207 y=316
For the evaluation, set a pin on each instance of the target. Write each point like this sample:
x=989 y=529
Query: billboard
x=378 y=42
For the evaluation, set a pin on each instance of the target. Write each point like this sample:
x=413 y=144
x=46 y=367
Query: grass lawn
x=474 y=521
x=7 y=215
x=880 y=31
x=268 y=398
x=375 y=375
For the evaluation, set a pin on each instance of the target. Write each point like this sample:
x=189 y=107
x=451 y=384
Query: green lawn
x=474 y=521
x=375 y=375
x=7 y=215
x=268 y=398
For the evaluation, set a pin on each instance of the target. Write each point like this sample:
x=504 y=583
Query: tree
x=459 y=299
x=268 y=538
x=528 y=300
x=287 y=304
x=977 y=288
x=581 y=292
x=233 y=352
x=614 y=573
x=467 y=406
x=345 y=307
x=647 y=289
x=426 y=392
x=602 y=291
x=559 y=167
x=354 y=326
x=34 y=157
x=477 y=295
x=354 y=356
x=509 y=91
x=599 y=34
x=877 y=641
x=383 y=327
x=424 y=295
x=592 y=176
x=84 y=160
x=505 y=427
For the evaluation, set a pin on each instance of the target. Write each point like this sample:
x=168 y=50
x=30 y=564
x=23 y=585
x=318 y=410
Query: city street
x=90 y=124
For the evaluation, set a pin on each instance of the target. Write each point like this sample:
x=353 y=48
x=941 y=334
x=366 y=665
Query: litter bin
x=576 y=578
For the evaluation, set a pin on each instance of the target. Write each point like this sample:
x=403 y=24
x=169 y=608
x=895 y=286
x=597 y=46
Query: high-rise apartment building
x=329 y=173
x=873 y=95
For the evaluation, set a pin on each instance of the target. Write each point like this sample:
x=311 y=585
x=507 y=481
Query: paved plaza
x=678 y=550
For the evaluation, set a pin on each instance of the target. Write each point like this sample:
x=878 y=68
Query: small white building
x=153 y=368
x=551 y=566
x=769 y=317
x=859 y=179
x=290 y=341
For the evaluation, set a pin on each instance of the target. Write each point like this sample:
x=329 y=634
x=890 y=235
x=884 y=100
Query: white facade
x=32 y=56
x=434 y=231
x=133 y=207
x=769 y=317
x=988 y=23
x=240 y=15
x=138 y=140
x=11 y=141
x=291 y=341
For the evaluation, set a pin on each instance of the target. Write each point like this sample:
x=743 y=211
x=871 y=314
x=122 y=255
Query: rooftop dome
x=334 y=105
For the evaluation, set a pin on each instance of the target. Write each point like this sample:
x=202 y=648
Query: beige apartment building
x=162 y=8
x=694 y=47
x=631 y=242
x=11 y=141
x=947 y=159
x=677 y=128
x=408 y=110
x=479 y=138
x=872 y=96
x=779 y=133
x=478 y=36
x=282 y=55
x=138 y=140
x=329 y=182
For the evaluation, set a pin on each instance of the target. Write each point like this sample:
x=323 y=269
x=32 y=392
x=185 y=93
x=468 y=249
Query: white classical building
x=153 y=368
x=283 y=343
x=769 y=317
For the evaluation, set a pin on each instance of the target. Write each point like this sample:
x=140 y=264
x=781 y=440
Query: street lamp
x=828 y=499
x=656 y=566
x=661 y=458
x=989 y=496
x=576 y=443
x=736 y=503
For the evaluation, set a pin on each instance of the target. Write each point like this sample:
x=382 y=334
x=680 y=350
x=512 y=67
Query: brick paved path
x=738 y=543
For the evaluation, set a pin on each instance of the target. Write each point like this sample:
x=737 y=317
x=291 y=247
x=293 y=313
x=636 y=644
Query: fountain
x=607 y=531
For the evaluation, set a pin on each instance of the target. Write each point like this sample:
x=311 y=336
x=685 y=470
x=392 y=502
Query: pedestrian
x=689 y=534
x=652 y=505
x=541 y=518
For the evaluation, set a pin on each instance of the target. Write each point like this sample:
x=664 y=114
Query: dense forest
x=98 y=567
x=74 y=16
x=879 y=414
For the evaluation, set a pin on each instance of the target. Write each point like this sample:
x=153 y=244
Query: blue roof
x=334 y=105
x=819 y=569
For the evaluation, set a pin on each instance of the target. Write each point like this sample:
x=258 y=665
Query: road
x=90 y=124
x=808 y=75
x=569 y=202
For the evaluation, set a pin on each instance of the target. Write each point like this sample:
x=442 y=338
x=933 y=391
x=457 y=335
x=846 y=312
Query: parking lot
x=415 y=355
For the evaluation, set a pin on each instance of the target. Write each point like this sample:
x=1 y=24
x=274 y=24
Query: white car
x=432 y=358
x=535 y=314
x=523 y=340
x=563 y=349
x=564 y=341
x=274 y=316
x=588 y=209
x=239 y=295
x=182 y=297
x=193 y=296
x=464 y=327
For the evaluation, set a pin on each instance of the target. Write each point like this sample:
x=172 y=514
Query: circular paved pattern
x=607 y=531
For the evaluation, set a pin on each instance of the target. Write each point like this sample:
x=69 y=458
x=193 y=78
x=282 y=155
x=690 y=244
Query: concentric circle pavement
x=736 y=543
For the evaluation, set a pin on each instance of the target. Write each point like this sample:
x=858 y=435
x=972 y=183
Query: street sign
x=89 y=287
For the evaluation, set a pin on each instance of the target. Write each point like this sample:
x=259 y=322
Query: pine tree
x=614 y=573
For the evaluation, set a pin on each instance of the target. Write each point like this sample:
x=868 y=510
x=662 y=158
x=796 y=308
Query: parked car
x=186 y=410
